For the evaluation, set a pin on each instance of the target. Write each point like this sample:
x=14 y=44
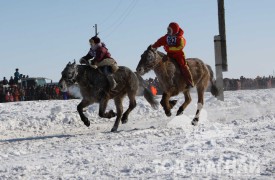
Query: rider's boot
x=112 y=81
x=188 y=78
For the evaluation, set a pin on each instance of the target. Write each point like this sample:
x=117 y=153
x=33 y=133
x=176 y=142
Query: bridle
x=156 y=56
x=147 y=66
x=72 y=78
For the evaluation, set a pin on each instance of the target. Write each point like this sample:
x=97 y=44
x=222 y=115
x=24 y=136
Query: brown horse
x=172 y=81
x=94 y=89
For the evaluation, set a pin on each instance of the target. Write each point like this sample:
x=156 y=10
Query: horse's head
x=69 y=75
x=148 y=61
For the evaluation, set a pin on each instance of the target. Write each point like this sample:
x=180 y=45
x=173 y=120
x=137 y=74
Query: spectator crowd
x=231 y=84
x=11 y=90
x=249 y=83
x=17 y=93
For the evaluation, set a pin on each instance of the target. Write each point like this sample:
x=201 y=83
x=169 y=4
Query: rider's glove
x=94 y=66
x=153 y=47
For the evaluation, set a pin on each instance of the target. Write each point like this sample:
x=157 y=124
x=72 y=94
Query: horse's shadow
x=66 y=135
x=129 y=130
x=37 y=138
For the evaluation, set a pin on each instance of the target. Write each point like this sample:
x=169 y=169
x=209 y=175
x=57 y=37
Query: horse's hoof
x=195 y=121
x=124 y=119
x=112 y=114
x=124 y=122
x=168 y=114
x=114 y=129
x=180 y=111
x=87 y=123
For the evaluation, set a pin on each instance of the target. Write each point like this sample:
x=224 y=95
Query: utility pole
x=218 y=62
x=95 y=26
x=222 y=33
x=220 y=50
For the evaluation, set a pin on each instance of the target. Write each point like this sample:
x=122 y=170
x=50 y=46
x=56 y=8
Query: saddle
x=112 y=67
x=108 y=62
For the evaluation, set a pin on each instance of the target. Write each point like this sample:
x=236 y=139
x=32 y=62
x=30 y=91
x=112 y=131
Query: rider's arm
x=88 y=56
x=160 y=42
x=85 y=59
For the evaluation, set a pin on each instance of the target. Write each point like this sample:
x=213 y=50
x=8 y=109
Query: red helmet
x=173 y=28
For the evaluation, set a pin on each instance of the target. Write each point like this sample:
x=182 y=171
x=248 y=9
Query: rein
x=73 y=78
x=157 y=55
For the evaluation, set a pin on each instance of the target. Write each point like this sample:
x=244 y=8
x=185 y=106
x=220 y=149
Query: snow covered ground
x=235 y=139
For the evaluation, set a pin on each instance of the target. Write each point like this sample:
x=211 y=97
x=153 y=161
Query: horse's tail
x=147 y=93
x=213 y=89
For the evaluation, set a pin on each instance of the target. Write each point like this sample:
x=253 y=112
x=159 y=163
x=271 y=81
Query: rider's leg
x=184 y=69
x=107 y=70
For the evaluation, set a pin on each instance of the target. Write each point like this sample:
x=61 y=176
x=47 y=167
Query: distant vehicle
x=34 y=81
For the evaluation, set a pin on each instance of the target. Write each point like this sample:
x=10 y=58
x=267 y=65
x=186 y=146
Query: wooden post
x=219 y=68
x=220 y=50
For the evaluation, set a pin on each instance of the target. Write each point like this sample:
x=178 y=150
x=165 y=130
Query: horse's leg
x=166 y=104
x=132 y=105
x=186 y=102
x=84 y=103
x=200 y=92
x=119 y=108
x=102 y=108
x=172 y=103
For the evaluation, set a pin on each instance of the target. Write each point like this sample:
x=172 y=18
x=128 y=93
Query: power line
x=121 y=19
x=111 y=14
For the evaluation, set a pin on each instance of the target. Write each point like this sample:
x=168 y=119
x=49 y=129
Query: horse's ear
x=74 y=62
x=151 y=48
x=69 y=63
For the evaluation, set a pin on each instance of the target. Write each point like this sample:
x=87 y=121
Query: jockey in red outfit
x=174 y=43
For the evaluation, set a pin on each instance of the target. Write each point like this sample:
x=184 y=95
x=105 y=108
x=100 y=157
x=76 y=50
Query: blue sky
x=41 y=37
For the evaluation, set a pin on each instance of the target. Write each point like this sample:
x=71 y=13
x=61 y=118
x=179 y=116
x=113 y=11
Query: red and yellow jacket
x=172 y=43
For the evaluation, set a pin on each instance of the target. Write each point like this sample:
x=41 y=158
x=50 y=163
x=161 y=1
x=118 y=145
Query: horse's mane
x=161 y=53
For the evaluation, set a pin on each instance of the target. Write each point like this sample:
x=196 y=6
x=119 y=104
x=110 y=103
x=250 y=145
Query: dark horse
x=94 y=89
x=172 y=81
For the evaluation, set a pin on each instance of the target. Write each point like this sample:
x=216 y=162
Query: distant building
x=33 y=81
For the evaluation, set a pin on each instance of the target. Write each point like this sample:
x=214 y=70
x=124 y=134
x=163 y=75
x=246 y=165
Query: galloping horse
x=172 y=81
x=93 y=88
